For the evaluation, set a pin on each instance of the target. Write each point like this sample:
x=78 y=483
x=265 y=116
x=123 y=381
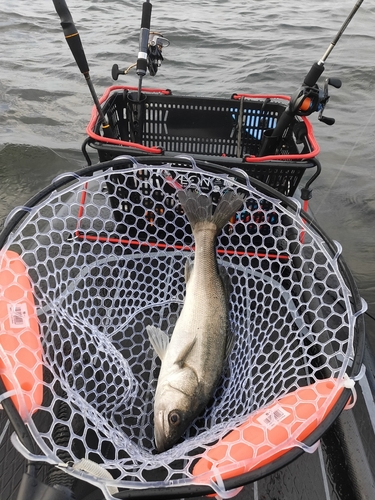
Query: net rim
x=21 y=217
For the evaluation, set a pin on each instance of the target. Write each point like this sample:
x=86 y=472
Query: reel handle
x=335 y=82
x=116 y=71
x=327 y=120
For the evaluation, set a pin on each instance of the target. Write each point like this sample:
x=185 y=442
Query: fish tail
x=229 y=204
x=198 y=207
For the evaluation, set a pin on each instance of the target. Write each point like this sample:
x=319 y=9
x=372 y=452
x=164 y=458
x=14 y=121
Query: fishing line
x=256 y=496
x=324 y=473
x=344 y=164
x=4 y=431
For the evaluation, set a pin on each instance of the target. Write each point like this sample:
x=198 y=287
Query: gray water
x=217 y=48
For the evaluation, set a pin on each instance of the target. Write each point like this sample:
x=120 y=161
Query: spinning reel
x=155 y=45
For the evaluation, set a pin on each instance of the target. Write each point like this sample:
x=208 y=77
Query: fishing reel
x=156 y=43
x=306 y=100
x=154 y=52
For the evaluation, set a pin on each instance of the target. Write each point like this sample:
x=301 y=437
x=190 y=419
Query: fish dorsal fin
x=181 y=358
x=159 y=340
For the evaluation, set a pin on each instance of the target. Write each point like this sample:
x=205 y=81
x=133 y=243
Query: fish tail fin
x=198 y=207
x=229 y=204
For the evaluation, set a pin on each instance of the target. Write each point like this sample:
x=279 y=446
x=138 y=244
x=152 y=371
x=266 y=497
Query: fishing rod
x=143 y=60
x=74 y=41
x=308 y=98
x=151 y=44
x=143 y=44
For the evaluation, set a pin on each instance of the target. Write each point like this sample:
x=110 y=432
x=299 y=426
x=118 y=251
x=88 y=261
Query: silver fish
x=192 y=361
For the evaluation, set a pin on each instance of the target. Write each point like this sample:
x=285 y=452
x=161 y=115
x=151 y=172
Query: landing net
x=105 y=255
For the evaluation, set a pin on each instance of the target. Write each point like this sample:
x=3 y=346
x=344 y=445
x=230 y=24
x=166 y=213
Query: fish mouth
x=159 y=434
x=160 y=443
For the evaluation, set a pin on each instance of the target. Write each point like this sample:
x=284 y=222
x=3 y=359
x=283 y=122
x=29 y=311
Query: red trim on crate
x=296 y=157
x=261 y=96
x=158 y=150
x=310 y=134
x=94 y=116
x=127 y=87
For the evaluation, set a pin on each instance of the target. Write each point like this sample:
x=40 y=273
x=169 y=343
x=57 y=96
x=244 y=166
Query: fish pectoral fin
x=159 y=340
x=182 y=357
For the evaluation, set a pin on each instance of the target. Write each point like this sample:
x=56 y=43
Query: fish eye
x=174 y=418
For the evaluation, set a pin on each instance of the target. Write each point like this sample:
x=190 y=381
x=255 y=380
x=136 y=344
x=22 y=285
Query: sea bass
x=192 y=361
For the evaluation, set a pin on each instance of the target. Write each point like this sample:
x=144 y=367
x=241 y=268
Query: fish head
x=173 y=414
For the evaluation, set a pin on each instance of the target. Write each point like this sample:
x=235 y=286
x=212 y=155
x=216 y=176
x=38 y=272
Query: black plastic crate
x=227 y=132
